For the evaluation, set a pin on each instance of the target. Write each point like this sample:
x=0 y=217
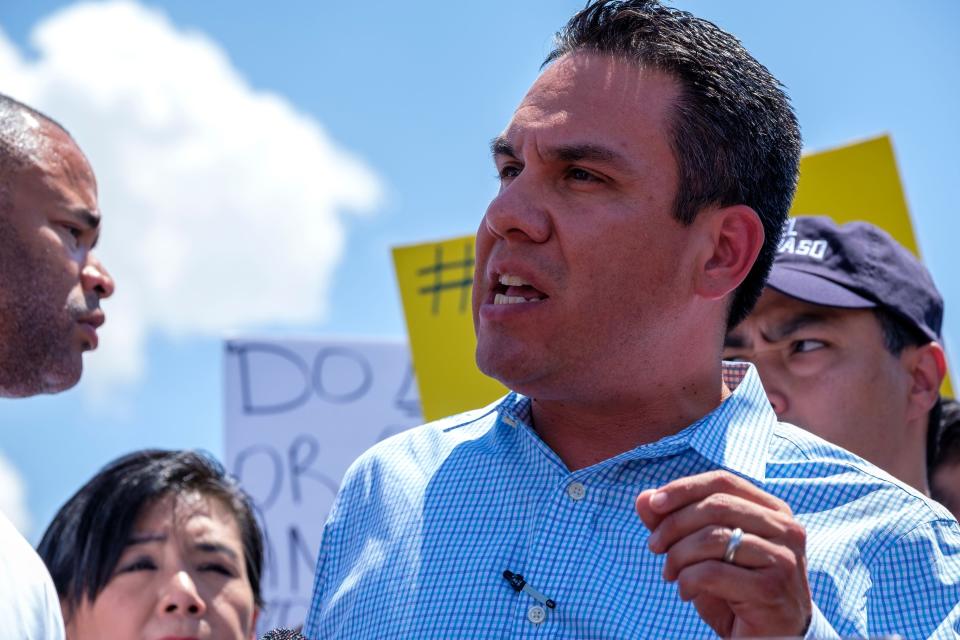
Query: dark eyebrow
x=208 y=547
x=794 y=324
x=214 y=547
x=87 y=217
x=499 y=146
x=779 y=332
x=576 y=152
x=144 y=538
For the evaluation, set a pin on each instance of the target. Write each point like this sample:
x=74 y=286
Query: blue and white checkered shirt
x=426 y=523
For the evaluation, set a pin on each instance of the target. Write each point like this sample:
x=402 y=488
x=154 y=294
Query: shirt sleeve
x=915 y=590
x=819 y=628
x=325 y=556
x=53 y=620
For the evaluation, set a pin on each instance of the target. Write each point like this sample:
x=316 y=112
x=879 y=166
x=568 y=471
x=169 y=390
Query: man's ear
x=927 y=367
x=732 y=238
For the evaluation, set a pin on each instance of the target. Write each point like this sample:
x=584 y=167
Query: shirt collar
x=734 y=436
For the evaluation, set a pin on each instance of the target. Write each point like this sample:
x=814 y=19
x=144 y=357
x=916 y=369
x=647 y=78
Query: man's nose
x=96 y=278
x=180 y=597
x=519 y=212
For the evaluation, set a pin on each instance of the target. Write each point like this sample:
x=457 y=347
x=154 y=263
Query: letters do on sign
x=297 y=413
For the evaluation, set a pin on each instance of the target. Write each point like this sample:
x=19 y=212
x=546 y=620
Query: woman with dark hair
x=158 y=544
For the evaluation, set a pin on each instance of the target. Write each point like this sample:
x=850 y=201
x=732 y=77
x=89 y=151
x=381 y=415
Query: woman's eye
x=806 y=346
x=217 y=567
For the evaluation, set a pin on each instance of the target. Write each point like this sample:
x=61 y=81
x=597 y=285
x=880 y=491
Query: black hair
x=734 y=134
x=949 y=449
x=898 y=334
x=86 y=538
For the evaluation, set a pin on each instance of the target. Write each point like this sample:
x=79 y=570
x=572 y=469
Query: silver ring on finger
x=736 y=537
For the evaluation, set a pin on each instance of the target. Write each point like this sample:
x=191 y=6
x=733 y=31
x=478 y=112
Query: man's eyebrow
x=87 y=217
x=794 y=324
x=500 y=146
x=577 y=152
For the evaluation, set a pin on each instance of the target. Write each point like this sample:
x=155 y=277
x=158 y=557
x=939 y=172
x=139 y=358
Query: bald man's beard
x=37 y=333
x=36 y=355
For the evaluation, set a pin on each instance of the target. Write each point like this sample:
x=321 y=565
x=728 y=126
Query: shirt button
x=576 y=491
x=536 y=614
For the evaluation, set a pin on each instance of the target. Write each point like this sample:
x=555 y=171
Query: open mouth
x=513 y=289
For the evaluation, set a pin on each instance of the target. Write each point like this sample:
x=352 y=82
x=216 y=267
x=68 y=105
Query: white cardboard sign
x=297 y=413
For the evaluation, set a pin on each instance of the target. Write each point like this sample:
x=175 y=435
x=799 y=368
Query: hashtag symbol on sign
x=439 y=269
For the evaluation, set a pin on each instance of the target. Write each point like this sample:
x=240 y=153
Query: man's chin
x=62 y=378
x=46 y=386
x=517 y=371
x=50 y=363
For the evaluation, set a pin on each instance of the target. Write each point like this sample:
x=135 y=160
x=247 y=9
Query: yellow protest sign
x=858 y=181
x=436 y=281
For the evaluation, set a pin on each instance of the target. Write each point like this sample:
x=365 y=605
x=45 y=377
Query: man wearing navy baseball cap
x=846 y=337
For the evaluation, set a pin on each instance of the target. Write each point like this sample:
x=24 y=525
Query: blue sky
x=389 y=108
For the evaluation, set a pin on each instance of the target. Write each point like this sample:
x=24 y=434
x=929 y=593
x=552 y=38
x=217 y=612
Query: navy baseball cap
x=855 y=266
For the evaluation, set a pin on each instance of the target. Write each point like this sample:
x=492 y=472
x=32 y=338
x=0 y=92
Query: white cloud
x=222 y=204
x=13 y=502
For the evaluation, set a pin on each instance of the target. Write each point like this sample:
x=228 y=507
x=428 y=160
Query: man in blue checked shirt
x=631 y=486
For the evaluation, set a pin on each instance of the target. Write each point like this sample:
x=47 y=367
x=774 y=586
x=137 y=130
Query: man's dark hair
x=898 y=334
x=734 y=133
x=82 y=545
x=949 y=449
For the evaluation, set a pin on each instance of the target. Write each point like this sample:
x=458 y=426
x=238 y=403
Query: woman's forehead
x=190 y=512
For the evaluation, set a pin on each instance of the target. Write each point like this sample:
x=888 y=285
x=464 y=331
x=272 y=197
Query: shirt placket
x=560 y=534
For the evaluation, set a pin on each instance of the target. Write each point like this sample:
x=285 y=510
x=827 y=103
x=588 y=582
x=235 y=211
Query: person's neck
x=909 y=464
x=585 y=433
x=914 y=474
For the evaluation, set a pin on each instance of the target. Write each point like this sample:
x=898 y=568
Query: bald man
x=50 y=296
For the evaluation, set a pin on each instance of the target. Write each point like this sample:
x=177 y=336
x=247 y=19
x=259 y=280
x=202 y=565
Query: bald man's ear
x=731 y=240
x=927 y=366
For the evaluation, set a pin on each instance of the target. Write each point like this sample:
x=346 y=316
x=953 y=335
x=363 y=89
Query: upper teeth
x=512 y=281
x=509 y=280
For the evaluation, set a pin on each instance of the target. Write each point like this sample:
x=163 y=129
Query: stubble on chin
x=35 y=367
x=39 y=352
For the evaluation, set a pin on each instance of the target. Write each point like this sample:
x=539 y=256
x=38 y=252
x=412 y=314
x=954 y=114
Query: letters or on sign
x=297 y=414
